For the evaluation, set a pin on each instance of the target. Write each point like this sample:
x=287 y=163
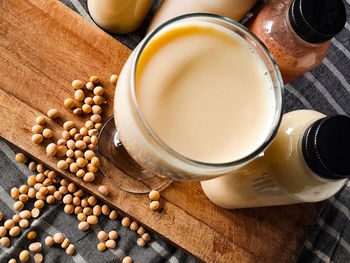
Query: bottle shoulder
x=287 y=143
x=286 y=162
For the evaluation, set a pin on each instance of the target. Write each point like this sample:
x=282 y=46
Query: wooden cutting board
x=44 y=46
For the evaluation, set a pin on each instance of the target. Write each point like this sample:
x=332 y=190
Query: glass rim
x=160 y=142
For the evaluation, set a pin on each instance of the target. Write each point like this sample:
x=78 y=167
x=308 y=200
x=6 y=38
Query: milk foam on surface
x=205 y=92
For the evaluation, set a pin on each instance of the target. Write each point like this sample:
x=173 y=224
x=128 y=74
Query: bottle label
x=266 y=185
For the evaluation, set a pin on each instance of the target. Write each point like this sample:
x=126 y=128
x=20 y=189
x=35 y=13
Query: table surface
x=324 y=89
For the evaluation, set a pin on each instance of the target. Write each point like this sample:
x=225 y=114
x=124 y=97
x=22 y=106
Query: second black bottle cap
x=326 y=147
x=317 y=21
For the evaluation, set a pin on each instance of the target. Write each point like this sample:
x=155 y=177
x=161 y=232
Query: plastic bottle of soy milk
x=234 y=9
x=308 y=161
x=119 y=16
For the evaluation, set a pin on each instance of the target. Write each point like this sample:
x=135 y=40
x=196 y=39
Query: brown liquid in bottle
x=296 y=36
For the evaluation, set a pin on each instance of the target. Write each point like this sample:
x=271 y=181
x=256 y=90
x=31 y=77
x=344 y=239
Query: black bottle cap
x=326 y=147
x=317 y=21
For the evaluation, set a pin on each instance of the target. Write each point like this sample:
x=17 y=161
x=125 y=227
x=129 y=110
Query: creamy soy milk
x=205 y=93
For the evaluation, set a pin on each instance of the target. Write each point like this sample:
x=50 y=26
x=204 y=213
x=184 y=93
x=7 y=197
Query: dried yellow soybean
x=154 y=195
x=38 y=258
x=113 y=235
x=37 y=138
x=89 y=177
x=134 y=226
x=110 y=243
x=16 y=218
x=53 y=113
x=58 y=238
x=32 y=166
x=103 y=190
x=5 y=241
x=83 y=226
x=35 y=212
x=154 y=205
x=86 y=108
x=21 y=158
x=141 y=242
x=141 y=230
x=127 y=260
x=88 y=100
x=31 y=235
x=113 y=215
x=40 y=120
x=47 y=133
x=62 y=165
x=89 y=86
x=146 y=236
x=113 y=79
x=78 y=111
x=35 y=247
x=24 y=256
x=77 y=84
x=92 y=220
x=98 y=90
x=51 y=149
x=61 y=151
x=94 y=79
x=3 y=231
x=101 y=247
x=68 y=125
x=69 y=103
x=65 y=243
x=49 y=240
x=126 y=222
x=14 y=231
x=70 y=249
x=18 y=206
x=102 y=236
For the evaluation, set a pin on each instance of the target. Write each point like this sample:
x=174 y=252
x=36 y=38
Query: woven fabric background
x=325 y=89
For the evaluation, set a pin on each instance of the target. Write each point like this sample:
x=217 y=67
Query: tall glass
x=136 y=137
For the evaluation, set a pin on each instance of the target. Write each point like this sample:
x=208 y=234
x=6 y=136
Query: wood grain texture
x=44 y=46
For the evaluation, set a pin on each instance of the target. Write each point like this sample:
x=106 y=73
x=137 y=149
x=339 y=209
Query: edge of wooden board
x=209 y=244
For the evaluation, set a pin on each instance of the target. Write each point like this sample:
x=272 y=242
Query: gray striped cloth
x=325 y=89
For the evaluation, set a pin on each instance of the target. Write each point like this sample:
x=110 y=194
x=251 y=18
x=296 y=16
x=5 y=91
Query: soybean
x=94 y=79
x=83 y=226
x=31 y=235
x=47 y=133
x=101 y=247
x=58 y=238
x=49 y=240
x=24 y=256
x=24 y=223
x=110 y=243
x=21 y=158
x=154 y=195
x=70 y=249
x=69 y=103
x=51 y=149
x=37 y=138
x=77 y=84
x=78 y=111
x=40 y=120
x=53 y=113
x=113 y=79
x=102 y=235
x=35 y=247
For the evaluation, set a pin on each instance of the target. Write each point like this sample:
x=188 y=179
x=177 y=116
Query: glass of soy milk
x=199 y=97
